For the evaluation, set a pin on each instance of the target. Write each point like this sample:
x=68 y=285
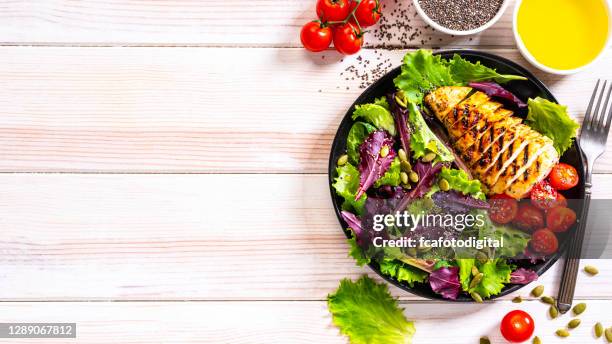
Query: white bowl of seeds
x=461 y=17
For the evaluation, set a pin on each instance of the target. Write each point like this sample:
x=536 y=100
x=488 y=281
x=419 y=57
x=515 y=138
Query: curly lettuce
x=358 y=133
x=552 y=120
x=464 y=71
x=346 y=185
x=459 y=180
x=422 y=72
x=392 y=176
x=377 y=114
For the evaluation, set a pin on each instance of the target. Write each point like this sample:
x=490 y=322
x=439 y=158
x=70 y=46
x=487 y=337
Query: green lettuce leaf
x=357 y=252
x=358 y=133
x=422 y=72
x=423 y=140
x=552 y=120
x=465 y=272
x=515 y=241
x=346 y=185
x=392 y=176
x=402 y=272
x=365 y=312
x=460 y=181
x=496 y=274
x=377 y=114
x=464 y=71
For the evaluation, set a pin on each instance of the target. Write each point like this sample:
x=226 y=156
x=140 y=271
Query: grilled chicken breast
x=504 y=154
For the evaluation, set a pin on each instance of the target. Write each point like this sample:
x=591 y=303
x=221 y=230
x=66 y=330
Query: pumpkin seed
x=342 y=160
x=573 y=323
x=484 y=340
x=476 y=297
x=548 y=299
x=402 y=155
x=475 y=270
x=406 y=166
x=482 y=257
x=537 y=291
x=553 y=312
x=414 y=177
x=537 y=340
x=407 y=186
x=476 y=280
x=400 y=98
x=429 y=157
x=599 y=330
x=384 y=151
x=562 y=333
x=579 y=308
x=444 y=185
x=517 y=299
x=404 y=177
x=591 y=270
x=609 y=334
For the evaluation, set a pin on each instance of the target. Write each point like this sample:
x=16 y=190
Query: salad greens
x=374 y=182
x=365 y=312
x=552 y=120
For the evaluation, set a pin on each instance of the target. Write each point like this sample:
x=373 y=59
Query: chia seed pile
x=461 y=15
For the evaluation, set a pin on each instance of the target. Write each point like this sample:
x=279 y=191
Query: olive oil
x=563 y=34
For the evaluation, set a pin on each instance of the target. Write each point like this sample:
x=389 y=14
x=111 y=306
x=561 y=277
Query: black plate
x=530 y=88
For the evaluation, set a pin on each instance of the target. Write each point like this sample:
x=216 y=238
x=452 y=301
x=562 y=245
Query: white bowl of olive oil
x=562 y=36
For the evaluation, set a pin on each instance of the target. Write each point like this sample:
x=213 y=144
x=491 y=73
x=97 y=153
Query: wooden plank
x=282 y=322
x=196 y=110
x=177 y=237
x=211 y=23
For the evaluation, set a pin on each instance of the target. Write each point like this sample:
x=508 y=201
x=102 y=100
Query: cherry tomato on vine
x=543 y=195
x=503 y=208
x=348 y=39
x=528 y=217
x=367 y=12
x=544 y=241
x=316 y=37
x=563 y=176
x=560 y=219
x=517 y=326
x=333 y=10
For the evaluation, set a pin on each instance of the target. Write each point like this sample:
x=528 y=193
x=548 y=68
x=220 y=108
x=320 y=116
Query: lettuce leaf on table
x=358 y=133
x=365 y=312
x=552 y=120
x=377 y=114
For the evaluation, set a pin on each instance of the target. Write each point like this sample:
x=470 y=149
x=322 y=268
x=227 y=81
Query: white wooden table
x=163 y=174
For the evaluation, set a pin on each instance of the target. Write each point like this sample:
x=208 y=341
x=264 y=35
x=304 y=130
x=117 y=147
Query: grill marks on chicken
x=504 y=154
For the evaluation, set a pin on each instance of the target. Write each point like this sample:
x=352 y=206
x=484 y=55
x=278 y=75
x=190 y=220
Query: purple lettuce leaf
x=445 y=281
x=427 y=173
x=388 y=191
x=400 y=116
x=495 y=90
x=372 y=165
x=353 y=222
x=523 y=276
x=457 y=202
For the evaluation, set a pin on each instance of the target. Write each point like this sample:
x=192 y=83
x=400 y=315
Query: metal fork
x=593 y=138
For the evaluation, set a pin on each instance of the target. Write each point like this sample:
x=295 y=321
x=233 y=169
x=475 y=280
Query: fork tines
x=597 y=121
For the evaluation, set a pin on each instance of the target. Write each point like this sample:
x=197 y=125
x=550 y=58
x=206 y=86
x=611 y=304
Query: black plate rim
x=510 y=288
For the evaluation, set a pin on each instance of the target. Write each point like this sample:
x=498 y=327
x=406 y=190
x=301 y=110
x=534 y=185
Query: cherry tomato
x=543 y=195
x=544 y=241
x=316 y=37
x=563 y=176
x=367 y=12
x=560 y=219
x=503 y=208
x=561 y=200
x=347 y=38
x=517 y=326
x=333 y=10
x=528 y=217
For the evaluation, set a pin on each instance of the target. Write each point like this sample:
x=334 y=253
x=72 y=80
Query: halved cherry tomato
x=316 y=37
x=543 y=195
x=517 y=326
x=561 y=200
x=333 y=10
x=563 y=176
x=560 y=219
x=503 y=208
x=544 y=241
x=367 y=12
x=528 y=217
x=348 y=38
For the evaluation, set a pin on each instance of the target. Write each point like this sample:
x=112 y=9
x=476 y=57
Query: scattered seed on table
x=517 y=299
x=547 y=299
x=537 y=291
x=553 y=312
x=598 y=330
x=591 y=270
x=579 y=308
x=573 y=323
x=562 y=333
x=485 y=340
x=537 y=340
